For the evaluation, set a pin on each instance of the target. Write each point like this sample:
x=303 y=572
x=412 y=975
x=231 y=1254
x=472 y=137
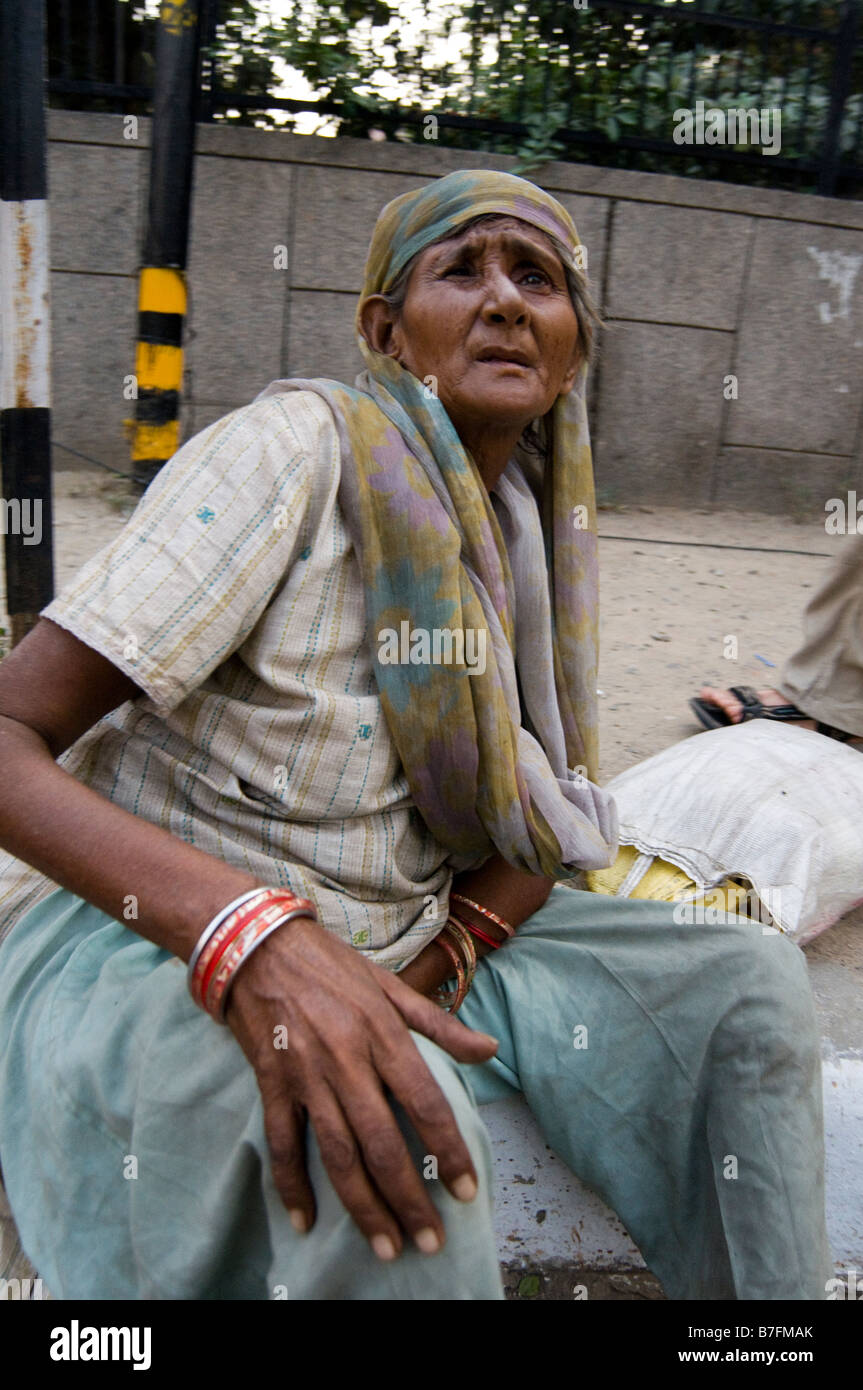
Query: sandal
x=712 y=717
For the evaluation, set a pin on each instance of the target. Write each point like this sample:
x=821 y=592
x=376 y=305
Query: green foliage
x=243 y=60
x=558 y=72
x=541 y=142
x=528 y=1286
x=582 y=84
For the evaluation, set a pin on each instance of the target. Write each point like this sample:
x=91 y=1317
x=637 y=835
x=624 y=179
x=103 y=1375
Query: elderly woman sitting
x=328 y=704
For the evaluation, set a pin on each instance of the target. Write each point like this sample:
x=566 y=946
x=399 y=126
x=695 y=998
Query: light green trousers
x=133 y=1149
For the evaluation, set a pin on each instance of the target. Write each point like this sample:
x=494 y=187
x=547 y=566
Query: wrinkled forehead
x=512 y=229
x=418 y=219
x=411 y=222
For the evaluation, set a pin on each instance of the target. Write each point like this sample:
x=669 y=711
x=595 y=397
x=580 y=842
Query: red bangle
x=219 y=943
x=239 y=951
x=483 y=912
x=222 y=944
x=211 y=957
x=475 y=931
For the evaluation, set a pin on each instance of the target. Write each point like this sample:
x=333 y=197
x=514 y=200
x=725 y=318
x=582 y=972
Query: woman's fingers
x=361 y=1145
x=378 y=1180
x=344 y=1153
x=285 y=1128
x=347 y=1024
x=462 y=1043
x=414 y=1087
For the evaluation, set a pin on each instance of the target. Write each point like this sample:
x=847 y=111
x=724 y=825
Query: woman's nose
x=503 y=300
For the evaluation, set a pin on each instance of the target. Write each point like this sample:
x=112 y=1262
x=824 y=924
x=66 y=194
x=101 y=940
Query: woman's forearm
x=164 y=889
x=511 y=893
x=144 y=876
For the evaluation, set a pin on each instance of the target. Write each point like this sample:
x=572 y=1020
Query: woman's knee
x=770 y=1002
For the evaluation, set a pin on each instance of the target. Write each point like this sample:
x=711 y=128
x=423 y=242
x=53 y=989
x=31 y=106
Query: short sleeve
x=204 y=552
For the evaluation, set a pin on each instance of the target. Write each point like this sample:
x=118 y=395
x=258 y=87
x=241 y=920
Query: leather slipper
x=712 y=717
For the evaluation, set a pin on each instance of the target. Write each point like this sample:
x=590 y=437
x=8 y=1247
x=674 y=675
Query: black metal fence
x=642 y=86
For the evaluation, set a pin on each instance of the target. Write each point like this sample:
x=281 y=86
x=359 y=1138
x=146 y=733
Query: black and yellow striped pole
x=162 y=283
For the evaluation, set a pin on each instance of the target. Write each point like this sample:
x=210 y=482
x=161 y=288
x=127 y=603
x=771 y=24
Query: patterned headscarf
x=499 y=758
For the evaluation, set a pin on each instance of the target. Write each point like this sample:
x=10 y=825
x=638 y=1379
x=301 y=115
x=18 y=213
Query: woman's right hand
x=326 y=1031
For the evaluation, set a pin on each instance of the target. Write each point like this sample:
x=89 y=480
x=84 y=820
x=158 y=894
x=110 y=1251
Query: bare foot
x=733 y=708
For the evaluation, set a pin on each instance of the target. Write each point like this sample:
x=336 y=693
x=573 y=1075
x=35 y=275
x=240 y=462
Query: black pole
x=839 y=90
x=25 y=318
x=178 y=46
x=162 y=287
x=209 y=22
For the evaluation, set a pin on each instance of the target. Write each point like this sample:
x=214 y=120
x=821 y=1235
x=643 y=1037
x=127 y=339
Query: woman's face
x=474 y=303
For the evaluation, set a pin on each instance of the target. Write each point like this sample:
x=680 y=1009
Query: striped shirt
x=233 y=599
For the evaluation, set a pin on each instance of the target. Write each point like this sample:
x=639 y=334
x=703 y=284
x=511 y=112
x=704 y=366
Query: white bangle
x=268 y=931
x=213 y=926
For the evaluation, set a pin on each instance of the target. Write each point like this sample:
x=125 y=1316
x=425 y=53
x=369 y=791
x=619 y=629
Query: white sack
x=779 y=806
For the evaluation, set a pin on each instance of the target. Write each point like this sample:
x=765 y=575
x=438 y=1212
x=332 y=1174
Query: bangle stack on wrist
x=457 y=944
x=484 y=912
x=230 y=938
x=456 y=939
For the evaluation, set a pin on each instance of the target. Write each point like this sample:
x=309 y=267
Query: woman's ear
x=379 y=326
x=572 y=371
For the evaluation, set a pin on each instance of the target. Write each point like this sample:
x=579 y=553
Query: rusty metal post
x=25 y=321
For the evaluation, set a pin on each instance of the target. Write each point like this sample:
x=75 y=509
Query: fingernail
x=383 y=1247
x=299 y=1221
x=465 y=1188
x=487 y=1037
x=427 y=1240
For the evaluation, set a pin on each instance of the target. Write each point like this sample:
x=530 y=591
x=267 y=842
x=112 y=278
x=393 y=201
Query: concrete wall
x=698 y=281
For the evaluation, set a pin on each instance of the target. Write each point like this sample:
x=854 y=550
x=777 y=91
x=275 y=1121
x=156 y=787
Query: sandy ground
x=667 y=610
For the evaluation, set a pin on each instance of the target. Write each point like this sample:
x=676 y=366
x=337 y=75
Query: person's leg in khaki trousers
x=824 y=677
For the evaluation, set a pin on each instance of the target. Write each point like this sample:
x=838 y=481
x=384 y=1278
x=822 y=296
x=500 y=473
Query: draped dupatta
x=482 y=607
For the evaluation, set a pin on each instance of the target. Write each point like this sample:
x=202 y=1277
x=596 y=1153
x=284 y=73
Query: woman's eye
x=538 y=275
